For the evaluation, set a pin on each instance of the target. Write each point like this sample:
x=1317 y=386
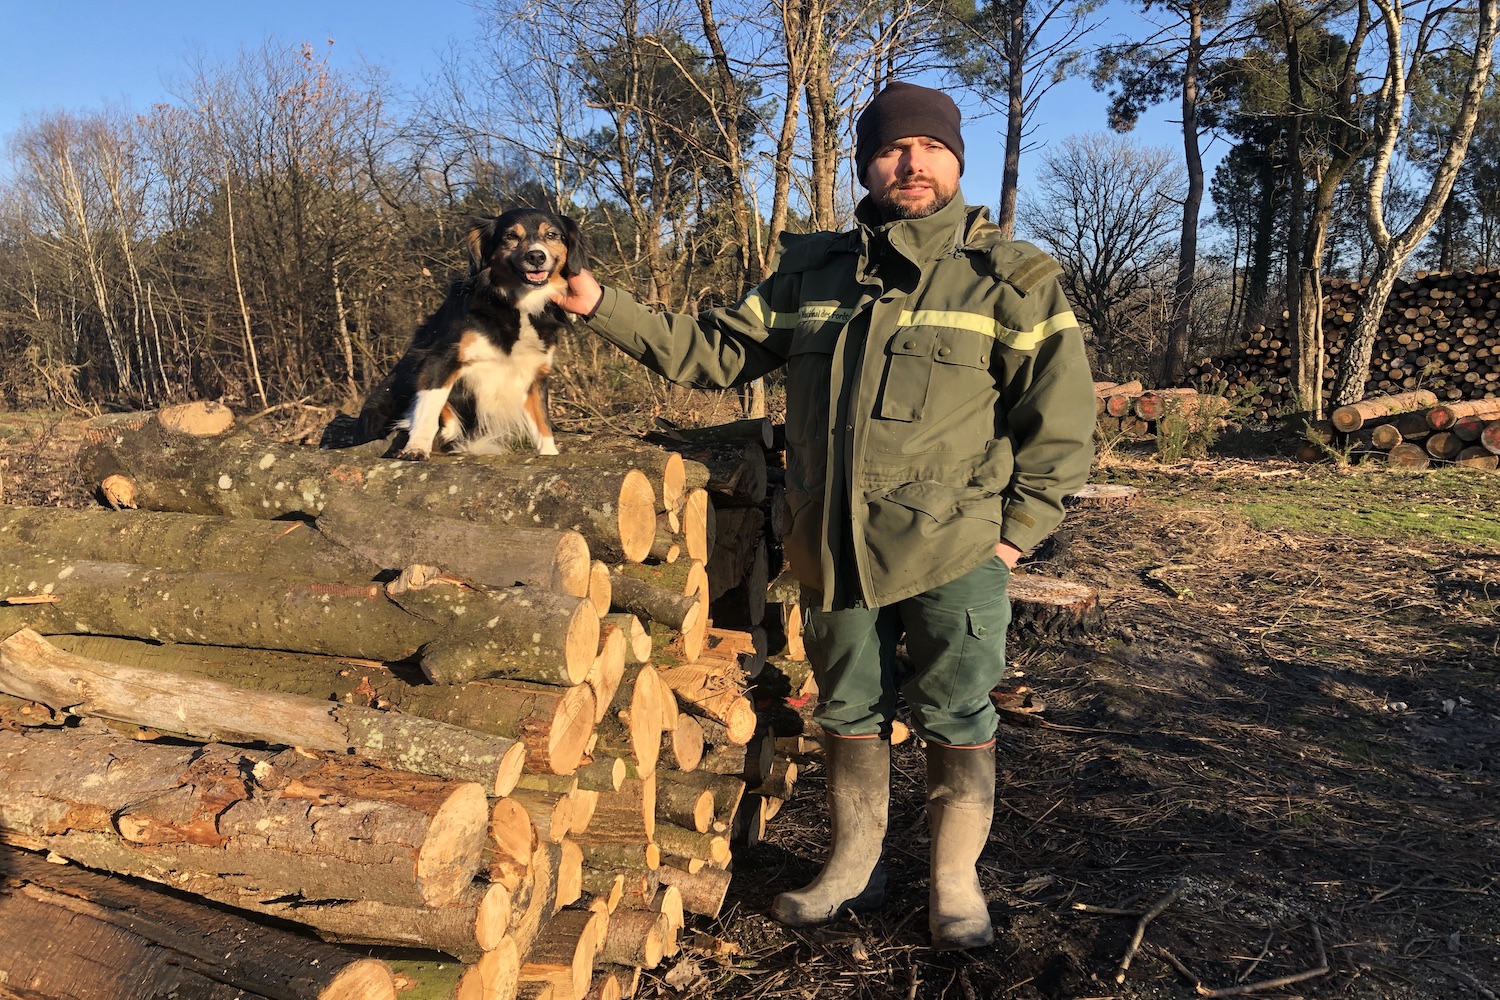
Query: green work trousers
x=955 y=638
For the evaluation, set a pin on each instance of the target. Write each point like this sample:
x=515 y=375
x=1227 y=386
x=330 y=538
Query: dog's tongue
x=536 y=277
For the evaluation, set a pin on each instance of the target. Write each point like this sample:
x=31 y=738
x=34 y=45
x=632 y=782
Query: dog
x=474 y=378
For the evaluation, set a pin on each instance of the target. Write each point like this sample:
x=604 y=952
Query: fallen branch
x=1280 y=981
x=1140 y=931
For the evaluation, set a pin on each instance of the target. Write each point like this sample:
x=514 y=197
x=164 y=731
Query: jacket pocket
x=943 y=503
x=908 y=372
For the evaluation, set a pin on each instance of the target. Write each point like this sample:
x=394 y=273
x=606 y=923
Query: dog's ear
x=578 y=255
x=481 y=240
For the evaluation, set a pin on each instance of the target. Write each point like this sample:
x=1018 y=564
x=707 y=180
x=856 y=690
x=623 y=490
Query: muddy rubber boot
x=960 y=806
x=859 y=794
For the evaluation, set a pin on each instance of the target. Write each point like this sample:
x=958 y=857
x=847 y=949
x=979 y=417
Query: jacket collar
x=918 y=240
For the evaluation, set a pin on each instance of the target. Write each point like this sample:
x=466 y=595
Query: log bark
x=523 y=633
x=662 y=466
x=393 y=537
x=1133 y=388
x=636 y=937
x=1158 y=403
x=228 y=609
x=242 y=475
x=1443 y=416
x=31 y=667
x=1354 y=415
x=683 y=842
x=702 y=893
x=657 y=602
x=686 y=805
x=217 y=821
x=467 y=928
x=756 y=429
x=60 y=921
x=554 y=723
x=563 y=952
x=627 y=816
x=461 y=633
x=279 y=549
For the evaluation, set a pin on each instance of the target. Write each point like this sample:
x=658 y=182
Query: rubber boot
x=859 y=795
x=960 y=806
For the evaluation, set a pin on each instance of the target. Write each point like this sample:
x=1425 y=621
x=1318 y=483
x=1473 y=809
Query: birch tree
x=1409 y=38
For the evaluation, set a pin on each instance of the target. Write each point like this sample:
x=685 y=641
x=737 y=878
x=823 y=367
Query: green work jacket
x=938 y=395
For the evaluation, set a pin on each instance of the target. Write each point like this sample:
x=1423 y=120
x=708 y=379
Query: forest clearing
x=1277 y=741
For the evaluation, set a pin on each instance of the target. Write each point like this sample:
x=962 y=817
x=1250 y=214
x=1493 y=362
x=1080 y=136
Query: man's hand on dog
x=583 y=294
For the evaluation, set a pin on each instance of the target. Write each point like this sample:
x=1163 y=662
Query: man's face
x=912 y=178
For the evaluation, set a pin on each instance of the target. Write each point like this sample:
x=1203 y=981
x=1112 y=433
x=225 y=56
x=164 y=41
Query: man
x=939 y=408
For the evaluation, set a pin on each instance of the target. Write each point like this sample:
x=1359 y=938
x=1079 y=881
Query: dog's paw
x=548 y=447
x=412 y=455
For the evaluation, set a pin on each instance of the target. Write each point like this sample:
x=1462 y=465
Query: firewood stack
x=1439 y=332
x=1413 y=430
x=1128 y=410
x=495 y=707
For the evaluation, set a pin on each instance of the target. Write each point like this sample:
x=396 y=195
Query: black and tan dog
x=474 y=378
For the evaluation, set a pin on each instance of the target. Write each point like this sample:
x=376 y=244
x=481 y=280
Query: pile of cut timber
x=1439 y=331
x=1126 y=409
x=511 y=709
x=1414 y=430
x=495 y=707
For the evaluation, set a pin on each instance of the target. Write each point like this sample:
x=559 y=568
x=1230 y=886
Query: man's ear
x=577 y=252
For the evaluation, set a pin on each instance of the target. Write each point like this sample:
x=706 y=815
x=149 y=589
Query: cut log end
x=510 y=768
x=569 y=734
x=599 y=591
x=636 y=515
x=118 y=492
x=574 y=566
x=200 y=418
x=451 y=853
x=582 y=642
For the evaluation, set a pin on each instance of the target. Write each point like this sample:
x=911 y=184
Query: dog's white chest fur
x=499 y=383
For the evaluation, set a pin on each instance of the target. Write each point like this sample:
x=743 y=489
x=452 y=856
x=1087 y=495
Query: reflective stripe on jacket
x=938 y=394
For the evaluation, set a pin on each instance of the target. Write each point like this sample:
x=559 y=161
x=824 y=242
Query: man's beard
x=893 y=209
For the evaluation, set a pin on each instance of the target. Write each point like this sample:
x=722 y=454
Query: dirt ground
x=1281 y=740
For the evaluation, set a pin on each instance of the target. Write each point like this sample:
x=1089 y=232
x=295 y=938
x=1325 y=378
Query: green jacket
x=938 y=394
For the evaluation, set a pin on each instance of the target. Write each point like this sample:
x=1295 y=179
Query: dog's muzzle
x=536 y=267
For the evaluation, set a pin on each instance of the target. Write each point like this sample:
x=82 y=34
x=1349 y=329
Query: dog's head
x=526 y=248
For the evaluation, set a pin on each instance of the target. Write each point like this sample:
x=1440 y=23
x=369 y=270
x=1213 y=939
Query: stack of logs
x=1126 y=409
x=492 y=707
x=1414 y=430
x=1439 y=332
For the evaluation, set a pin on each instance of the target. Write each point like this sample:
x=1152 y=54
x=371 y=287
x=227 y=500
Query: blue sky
x=85 y=55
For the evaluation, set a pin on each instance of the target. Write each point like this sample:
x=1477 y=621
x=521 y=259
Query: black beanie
x=903 y=110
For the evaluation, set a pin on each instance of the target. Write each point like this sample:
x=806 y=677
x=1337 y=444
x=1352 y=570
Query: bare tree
x=1437 y=25
x=1105 y=208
